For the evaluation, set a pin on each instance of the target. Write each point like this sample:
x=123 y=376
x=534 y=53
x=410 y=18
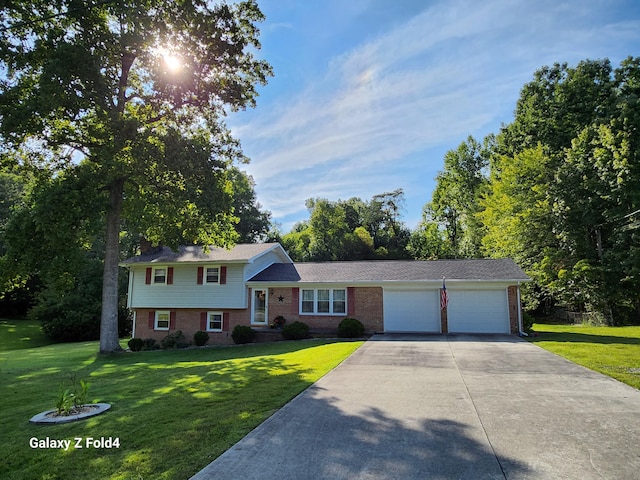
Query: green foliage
x=69 y=306
x=527 y=322
x=350 y=230
x=564 y=189
x=295 y=331
x=350 y=328
x=174 y=340
x=150 y=344
x=243 y=334
x=200 y=338
x=70 y=399
x=87 y=96
x=135 y=344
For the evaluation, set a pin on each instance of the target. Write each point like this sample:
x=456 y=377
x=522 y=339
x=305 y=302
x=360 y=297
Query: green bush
x=243 y=334
x=149 y=344
x=200 y=338
x=527 y=322
x=295 y=331
x=135 y=344
x=350 y=328
x=174 y=340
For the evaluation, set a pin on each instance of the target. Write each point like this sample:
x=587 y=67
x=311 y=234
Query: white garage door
x=411 y=311
x=478 y=311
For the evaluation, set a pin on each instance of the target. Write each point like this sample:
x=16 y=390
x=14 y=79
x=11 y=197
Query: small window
x=307 y=301
x=323 y=301
x=160 y=275
x=162 y=320
x=339 y=301
x=214 y=322
x=212 y=275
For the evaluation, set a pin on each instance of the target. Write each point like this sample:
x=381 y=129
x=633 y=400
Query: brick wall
x=514 y=308
x=188 y=320
x=367 y=308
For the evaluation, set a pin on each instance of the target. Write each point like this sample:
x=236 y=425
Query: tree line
x=557 y=190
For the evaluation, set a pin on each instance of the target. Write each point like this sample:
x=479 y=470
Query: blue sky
x=368 y=95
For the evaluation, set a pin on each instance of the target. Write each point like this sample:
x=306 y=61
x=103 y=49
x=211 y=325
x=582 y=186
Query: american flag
x=444 y=299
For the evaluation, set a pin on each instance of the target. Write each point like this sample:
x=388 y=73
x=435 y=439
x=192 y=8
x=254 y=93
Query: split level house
x=252 y=284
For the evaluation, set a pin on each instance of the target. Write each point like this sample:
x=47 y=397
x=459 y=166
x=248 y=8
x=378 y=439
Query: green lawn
x=173 y=412
x=17 y=334
x=614 y=351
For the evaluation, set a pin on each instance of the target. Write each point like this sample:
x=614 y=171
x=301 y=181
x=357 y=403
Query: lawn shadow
x=321 y=437
x=572 y=337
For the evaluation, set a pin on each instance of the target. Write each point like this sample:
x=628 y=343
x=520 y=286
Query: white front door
x=259 y=310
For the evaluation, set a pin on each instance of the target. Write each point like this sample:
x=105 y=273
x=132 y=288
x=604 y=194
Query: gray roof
x=240 y=253
x=487 y=269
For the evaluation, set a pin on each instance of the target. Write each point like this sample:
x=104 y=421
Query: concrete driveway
x=447 y=407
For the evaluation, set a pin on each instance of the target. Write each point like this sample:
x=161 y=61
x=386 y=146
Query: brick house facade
x=251 y=285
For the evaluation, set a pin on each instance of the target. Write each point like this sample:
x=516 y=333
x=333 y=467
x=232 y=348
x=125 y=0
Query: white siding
x=185 y=291
x=262 y=262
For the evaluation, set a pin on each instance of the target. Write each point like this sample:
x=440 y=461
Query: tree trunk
x=109 y=318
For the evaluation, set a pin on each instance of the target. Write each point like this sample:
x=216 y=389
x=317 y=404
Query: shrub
x=295 y=331
x=149 y=344
x=243 y=334
x=527 y=322
x=200 y=338
x=173 y=340
x=135 y=344
x=350 y=328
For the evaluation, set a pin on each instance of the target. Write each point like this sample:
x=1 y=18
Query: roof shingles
x=239 y=253
x=392 y=270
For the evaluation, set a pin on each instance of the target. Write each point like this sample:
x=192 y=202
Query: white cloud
x=454 y=69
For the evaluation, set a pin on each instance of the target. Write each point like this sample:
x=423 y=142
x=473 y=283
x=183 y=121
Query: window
x=308 y=301
x=214 y=321
x=162 y=320
x=339 y=301
x=324 y=301
x=212 y=274
x=159 y=275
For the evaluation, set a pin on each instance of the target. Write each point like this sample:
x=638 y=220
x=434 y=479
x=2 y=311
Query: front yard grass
x=614 y=351
x=173 y=412
x=18 y=334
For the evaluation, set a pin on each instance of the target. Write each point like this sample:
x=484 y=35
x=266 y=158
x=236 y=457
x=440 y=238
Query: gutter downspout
x=522 y=332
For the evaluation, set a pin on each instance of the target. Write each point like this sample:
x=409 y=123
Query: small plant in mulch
x=71 y=401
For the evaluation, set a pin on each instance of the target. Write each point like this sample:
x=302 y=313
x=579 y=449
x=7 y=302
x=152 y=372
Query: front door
x=259 y=313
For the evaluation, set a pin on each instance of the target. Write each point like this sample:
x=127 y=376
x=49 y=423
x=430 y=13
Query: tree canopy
x=350 y=230
x=557 y=189
x=127 y=98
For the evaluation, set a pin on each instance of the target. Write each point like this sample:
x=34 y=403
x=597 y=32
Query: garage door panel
x=478 y=311
x=411 y=311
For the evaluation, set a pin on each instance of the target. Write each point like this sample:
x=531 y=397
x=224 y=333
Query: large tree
x=563 y=193
x=454 y=203
x=133 y=92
